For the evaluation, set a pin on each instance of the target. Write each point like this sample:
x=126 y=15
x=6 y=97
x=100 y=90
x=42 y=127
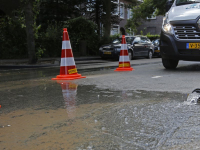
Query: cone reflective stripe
x=124 y=62
x=68 y=70
x=69 y=91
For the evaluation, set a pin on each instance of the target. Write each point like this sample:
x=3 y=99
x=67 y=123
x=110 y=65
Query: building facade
x=124 y=14
x=152 y=25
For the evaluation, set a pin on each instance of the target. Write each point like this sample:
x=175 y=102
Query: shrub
x=12 y=39
x=80 y=29
x=153 y=37
x=49 y=42
x=109 y=40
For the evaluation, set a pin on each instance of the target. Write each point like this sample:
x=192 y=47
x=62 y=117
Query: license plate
x=193 y=45
x=107 y=53
x=157 y=51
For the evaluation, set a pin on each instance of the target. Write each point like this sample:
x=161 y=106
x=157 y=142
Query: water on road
x=38 y=113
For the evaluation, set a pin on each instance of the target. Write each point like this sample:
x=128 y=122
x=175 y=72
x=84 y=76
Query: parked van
x=180 y=34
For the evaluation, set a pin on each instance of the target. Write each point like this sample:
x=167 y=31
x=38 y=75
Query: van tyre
x=170 y=63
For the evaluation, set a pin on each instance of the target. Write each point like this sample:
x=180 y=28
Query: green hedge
x=153 y=37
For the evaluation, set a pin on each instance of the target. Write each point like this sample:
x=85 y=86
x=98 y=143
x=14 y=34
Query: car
x=156 y=44
x=137 y=46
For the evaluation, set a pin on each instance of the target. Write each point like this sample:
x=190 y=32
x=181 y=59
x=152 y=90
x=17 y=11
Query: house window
x=115 y=30
x=121 y=10
x=116 y=9
x=129 y=13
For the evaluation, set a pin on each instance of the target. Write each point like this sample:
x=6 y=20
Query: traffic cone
x=69 y=91
x=124 y=62
x=68 y=69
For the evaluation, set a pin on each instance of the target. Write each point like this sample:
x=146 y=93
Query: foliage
x=153 y=36
x=49 y=42
x=13 y=38
x=81 y=29
x=59 y=11
x=141 y=32
x=146 y=9
x=105 y=40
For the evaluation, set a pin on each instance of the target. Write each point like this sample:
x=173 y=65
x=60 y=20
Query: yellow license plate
x=107 y=52
x=157 y=51
x=193 y=45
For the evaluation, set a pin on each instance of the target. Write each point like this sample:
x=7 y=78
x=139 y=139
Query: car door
x=144 y=50
x=137 y=46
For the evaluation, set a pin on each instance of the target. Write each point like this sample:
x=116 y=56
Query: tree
x=30 y=10
x=59 y=11
x=104 y=10
x=29 y=21
x=107 y=22
x=100 y=12
x=148 y=8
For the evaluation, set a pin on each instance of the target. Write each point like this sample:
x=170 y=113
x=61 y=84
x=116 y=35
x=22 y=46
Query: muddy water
x=38 y=113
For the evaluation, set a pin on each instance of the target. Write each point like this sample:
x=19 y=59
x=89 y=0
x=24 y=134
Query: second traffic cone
x=68 y=69
x=124 y=62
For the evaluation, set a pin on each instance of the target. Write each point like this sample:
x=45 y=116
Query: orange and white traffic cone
x=124 y=62
x=69 y=91
x=68 y=70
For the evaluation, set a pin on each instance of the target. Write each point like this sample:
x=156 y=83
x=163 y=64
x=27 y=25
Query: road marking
x=156 y=77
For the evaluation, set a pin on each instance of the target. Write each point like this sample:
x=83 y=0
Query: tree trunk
x=107 y=25
x=97 y=18
x=28 y=9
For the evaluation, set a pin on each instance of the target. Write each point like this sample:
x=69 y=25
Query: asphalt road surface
x=147 y=108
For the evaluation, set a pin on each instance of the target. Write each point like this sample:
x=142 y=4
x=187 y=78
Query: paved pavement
x=43 y=62
x=81 y=62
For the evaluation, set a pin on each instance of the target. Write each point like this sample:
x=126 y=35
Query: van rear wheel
x=170 y=63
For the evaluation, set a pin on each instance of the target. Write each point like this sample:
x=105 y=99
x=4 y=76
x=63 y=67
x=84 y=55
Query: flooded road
x=38 y=113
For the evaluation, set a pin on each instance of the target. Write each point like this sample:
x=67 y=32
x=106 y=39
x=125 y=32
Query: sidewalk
x=43 y=61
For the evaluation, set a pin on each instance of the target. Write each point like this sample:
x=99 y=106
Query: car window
x=148 y=40
x=184 y=2
x=156 y=42
x=129 y=40
x=137 y=39
x=116 y=41
x=143 y=40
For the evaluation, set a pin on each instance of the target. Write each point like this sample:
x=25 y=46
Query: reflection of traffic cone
x=69 y=91
x=124 y=62
x=68 y=69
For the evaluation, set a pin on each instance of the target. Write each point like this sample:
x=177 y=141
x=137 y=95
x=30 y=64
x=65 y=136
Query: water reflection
x=69 y=91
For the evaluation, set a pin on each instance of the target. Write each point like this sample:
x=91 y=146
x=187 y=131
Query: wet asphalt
x=103 y=111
